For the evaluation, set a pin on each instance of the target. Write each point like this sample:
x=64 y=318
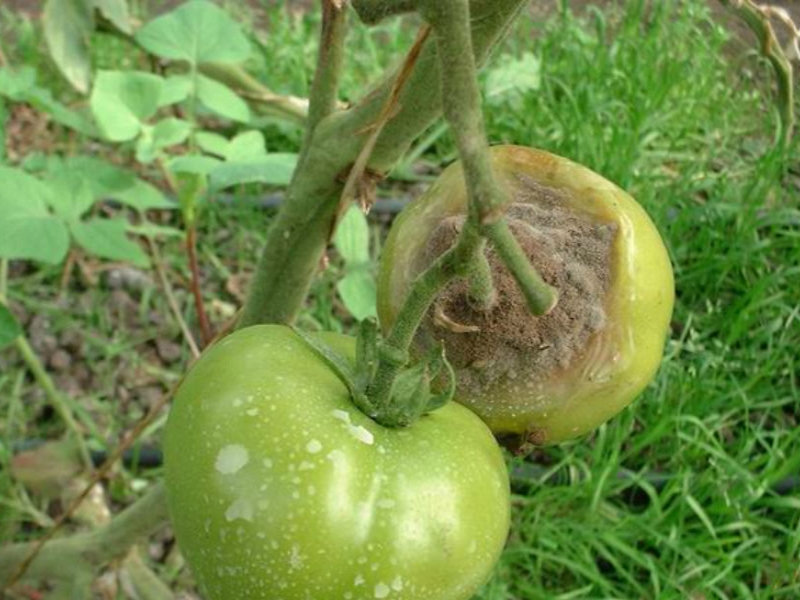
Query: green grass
x=648 y=96
x=659 y=109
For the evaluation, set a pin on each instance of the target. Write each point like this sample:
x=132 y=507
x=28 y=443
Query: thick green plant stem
x=482 y=294
x=324 y=96
x=80 y=556
x=757 y=19
x=298 y=236
x=374 y=11
x=453 y=263
x=539 y=296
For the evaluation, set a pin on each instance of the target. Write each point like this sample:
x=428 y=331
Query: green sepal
x=438 y=400
x=411 y=393
x=366 y=353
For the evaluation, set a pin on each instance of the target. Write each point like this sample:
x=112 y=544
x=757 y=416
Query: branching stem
x=461 y=101
x=324 y=95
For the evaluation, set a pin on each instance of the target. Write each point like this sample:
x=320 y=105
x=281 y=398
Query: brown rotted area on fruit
x=573 y=253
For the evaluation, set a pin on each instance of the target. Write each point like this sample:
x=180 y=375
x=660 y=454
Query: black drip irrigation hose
x=522 y=476
x=388 y=206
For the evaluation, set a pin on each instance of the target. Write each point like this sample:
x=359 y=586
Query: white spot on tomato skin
x=397 y=583
x=382 y=590
x=313 y=447
x=231 y=458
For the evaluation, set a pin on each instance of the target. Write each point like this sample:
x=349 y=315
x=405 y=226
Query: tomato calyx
x=410 y=394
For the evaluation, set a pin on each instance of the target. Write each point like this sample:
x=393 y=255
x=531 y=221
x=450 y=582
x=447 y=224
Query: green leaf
x=27 y=229
x=9 y=327
x=221 y=99
x=248 y=145
x=143 y=196
x=68 y=27
x=171 y=131
x=211 y=142
x=272 y=169
x=122 y=100
x=107 y=238
x=167 y=132
x=196 y=32
x=72 y=195
x=176 y=89
x=15 y=84
x=352 y=237
x=42 y=99
x=514 y=77
x=194 y=163
x=358 y=291
x=103 y=177
x=151 y=230
x=116 y=11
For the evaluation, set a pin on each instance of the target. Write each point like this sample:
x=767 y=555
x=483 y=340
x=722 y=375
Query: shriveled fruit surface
x=557 y=376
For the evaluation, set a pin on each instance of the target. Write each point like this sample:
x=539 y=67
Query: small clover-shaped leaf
x=195 y=32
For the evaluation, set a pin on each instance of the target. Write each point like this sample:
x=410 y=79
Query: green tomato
x=279 y=488
x=558 y=376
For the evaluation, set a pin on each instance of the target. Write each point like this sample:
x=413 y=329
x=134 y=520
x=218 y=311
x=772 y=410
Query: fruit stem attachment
x=461 y=103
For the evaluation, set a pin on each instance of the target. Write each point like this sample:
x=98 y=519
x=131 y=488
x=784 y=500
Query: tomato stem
x=324 y=93
x=298 y=236
x=461 y=101
x=482 y=294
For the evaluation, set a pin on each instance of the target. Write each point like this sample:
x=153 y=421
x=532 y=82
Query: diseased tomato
x=553 y=377
x=279 y=488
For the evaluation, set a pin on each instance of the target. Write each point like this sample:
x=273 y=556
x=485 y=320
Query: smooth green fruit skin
x=279 y=488
x=619 y=362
